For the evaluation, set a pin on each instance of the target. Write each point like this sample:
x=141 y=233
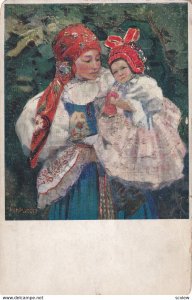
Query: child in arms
x=139 y=141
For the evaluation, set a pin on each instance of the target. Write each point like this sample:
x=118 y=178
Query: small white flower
x=39 y=122
x=74 y=34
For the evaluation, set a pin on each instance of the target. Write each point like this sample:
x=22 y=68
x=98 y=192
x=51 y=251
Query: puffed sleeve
x=149 y=93
x=26 y=123
x=106 y=80
x=59 y=130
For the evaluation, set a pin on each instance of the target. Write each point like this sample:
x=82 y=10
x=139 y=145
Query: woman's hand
x=125 y=105
x=88 y=151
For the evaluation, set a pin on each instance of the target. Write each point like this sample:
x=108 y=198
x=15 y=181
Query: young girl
x=139 y=142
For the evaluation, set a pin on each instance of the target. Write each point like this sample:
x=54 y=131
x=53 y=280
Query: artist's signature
x=21 y=210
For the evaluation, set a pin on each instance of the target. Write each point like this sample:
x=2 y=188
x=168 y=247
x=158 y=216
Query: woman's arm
x=125 y=105
x=27 y=123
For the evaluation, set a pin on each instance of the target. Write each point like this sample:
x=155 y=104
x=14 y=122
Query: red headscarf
x=126 y=49
x=68 y=45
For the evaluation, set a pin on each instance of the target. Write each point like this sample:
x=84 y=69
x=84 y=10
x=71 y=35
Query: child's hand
x=113 y=100
x=112 y=96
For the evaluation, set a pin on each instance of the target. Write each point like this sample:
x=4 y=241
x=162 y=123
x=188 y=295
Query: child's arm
x=149 y=94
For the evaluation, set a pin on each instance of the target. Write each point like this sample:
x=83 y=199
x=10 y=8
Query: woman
x=59 y=126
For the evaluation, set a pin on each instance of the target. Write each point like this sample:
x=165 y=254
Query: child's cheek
x=128 y=74
x=116 y=77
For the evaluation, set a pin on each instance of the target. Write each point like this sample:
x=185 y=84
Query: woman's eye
x=89 y=60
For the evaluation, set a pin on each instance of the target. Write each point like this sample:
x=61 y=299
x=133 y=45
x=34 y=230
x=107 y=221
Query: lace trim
x=85 y=156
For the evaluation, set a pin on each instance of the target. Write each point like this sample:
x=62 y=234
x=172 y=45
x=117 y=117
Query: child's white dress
x=143 y=147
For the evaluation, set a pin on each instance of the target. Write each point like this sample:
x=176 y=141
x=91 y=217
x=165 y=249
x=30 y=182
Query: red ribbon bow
x=132 y=35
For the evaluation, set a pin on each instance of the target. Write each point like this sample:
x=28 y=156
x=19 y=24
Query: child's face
x=121 y=71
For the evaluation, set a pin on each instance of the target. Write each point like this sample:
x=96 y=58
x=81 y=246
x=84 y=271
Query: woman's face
x=121 y=71
x=88 y=65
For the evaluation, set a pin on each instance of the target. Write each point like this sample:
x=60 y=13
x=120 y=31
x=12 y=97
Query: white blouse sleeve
x=149 y=93
x=59 y=130
x=26 y=123
x=106 y=81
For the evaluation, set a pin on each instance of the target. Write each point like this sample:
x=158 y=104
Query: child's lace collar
x=133 y=80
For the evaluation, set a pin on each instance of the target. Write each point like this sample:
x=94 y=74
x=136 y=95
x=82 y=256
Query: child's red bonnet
x=126 y=49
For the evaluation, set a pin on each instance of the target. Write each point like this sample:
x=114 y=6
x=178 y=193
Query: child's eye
x=87 y=61
x=115 y=72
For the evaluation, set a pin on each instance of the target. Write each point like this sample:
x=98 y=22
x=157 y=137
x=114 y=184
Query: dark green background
x=29 y=29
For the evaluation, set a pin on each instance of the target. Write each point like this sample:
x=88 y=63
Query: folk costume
x=59 y=127
x=142 y=147
x=53 y=130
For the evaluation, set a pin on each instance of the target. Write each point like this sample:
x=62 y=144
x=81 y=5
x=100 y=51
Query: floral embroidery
x=78 y=126
x=82 y=45
x=56 y=88
x=74 y=34
x=56 y=168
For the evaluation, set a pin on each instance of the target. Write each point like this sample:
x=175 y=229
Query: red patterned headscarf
x=126 y=49
x=68 y=45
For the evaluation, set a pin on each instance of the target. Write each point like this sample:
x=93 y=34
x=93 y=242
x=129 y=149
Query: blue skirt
x=82 y=201
x=147 y=211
